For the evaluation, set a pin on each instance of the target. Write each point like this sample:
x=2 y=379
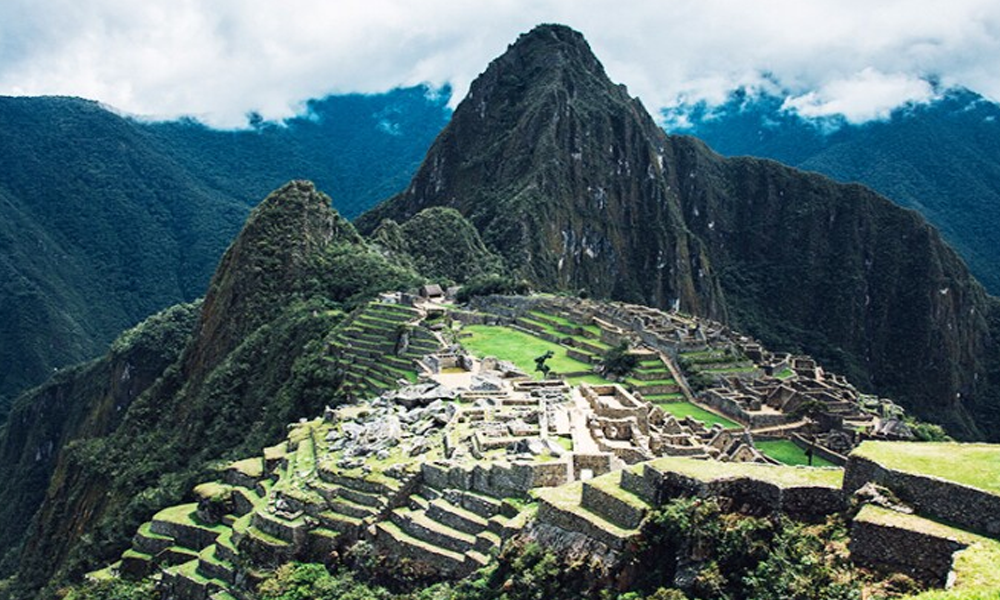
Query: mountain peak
x=547 y=57
x=271 y=259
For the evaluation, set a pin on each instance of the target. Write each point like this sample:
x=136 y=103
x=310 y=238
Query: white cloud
x=863 y=97
x=220 y=59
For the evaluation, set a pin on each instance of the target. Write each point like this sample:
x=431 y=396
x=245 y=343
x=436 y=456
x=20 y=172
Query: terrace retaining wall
x=922 y=556
x=962 y=505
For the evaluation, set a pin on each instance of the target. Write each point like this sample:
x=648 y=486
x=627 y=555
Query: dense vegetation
x=257 y=360
x=105 y=220
x=440 y=244
x=942 y=159
x=82 y=402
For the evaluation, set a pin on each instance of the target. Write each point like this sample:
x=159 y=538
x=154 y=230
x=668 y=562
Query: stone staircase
x=454 y=531
x=601 y=509
x=368 y=348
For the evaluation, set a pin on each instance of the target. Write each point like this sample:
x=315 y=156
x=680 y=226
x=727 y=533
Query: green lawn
x=664 y=398
x=687 y=409
x=638 y=383
x=787 y=452
x=521 y=349
x=976 y=465
x=593 y=379
x=785 y=373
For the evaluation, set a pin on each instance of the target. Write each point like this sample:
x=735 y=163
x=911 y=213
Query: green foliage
x=89 y=400
x=441 y=244
x=699 y=381
x=742 y=557
x=112 y=589
x=295 y=581
x=259 y=361
x=491 y=284
x=928 y=432
x=105 y=220
x=617 y=361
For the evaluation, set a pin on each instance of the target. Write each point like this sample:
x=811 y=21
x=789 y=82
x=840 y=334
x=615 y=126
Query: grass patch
x=251 y=467
x=593 y=379
x=638 y=383
x=687 y=409
x=975 y=465
x=664 y=398
x=785 y=373
x=787 y=452
x=519 y=348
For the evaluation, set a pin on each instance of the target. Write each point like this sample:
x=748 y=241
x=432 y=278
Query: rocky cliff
x=565 y=176
x=573 y=183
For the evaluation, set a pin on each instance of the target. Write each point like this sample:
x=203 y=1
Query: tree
x=618 y=362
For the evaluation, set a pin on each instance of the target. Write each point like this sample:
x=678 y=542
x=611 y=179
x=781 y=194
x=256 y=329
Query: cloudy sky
x=217 y=60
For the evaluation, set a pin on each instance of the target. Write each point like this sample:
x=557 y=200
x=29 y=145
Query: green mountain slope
x=105 y=220
x=942 y=159
x=257 y=358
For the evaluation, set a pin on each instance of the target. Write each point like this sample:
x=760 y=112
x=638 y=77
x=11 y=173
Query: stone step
x=340 y=523
x=498 y=524
x=147 y=542
x=184 y=581
x=391 y=537
x=420 y=526
x=639 y=481
x=383 y=487
x=263 y=549
x=418 y=502
x=350 y=508
x=605 y=497
x=487 y=541
x=175 y=555
x=276 y=526
x=476 y=560
x=181 y=523
x=225 y=547
x=136 y=565
x=484 y=506
x=561 y=507
x=211 y=566
x=456 y=517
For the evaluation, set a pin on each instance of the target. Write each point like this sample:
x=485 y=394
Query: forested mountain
x=97 y=448
x=105 y=220
x=941 y=158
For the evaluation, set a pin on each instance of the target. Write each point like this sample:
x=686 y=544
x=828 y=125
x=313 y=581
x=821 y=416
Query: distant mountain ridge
x=941 y=158
x=105 y=220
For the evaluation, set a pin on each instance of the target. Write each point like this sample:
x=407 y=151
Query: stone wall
x=744 y=494
x=924 y=557
x=498 y=480
x=598 y=464
x=818 y=450
x=964 y=506
x=612 y=508
x=732 y=409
